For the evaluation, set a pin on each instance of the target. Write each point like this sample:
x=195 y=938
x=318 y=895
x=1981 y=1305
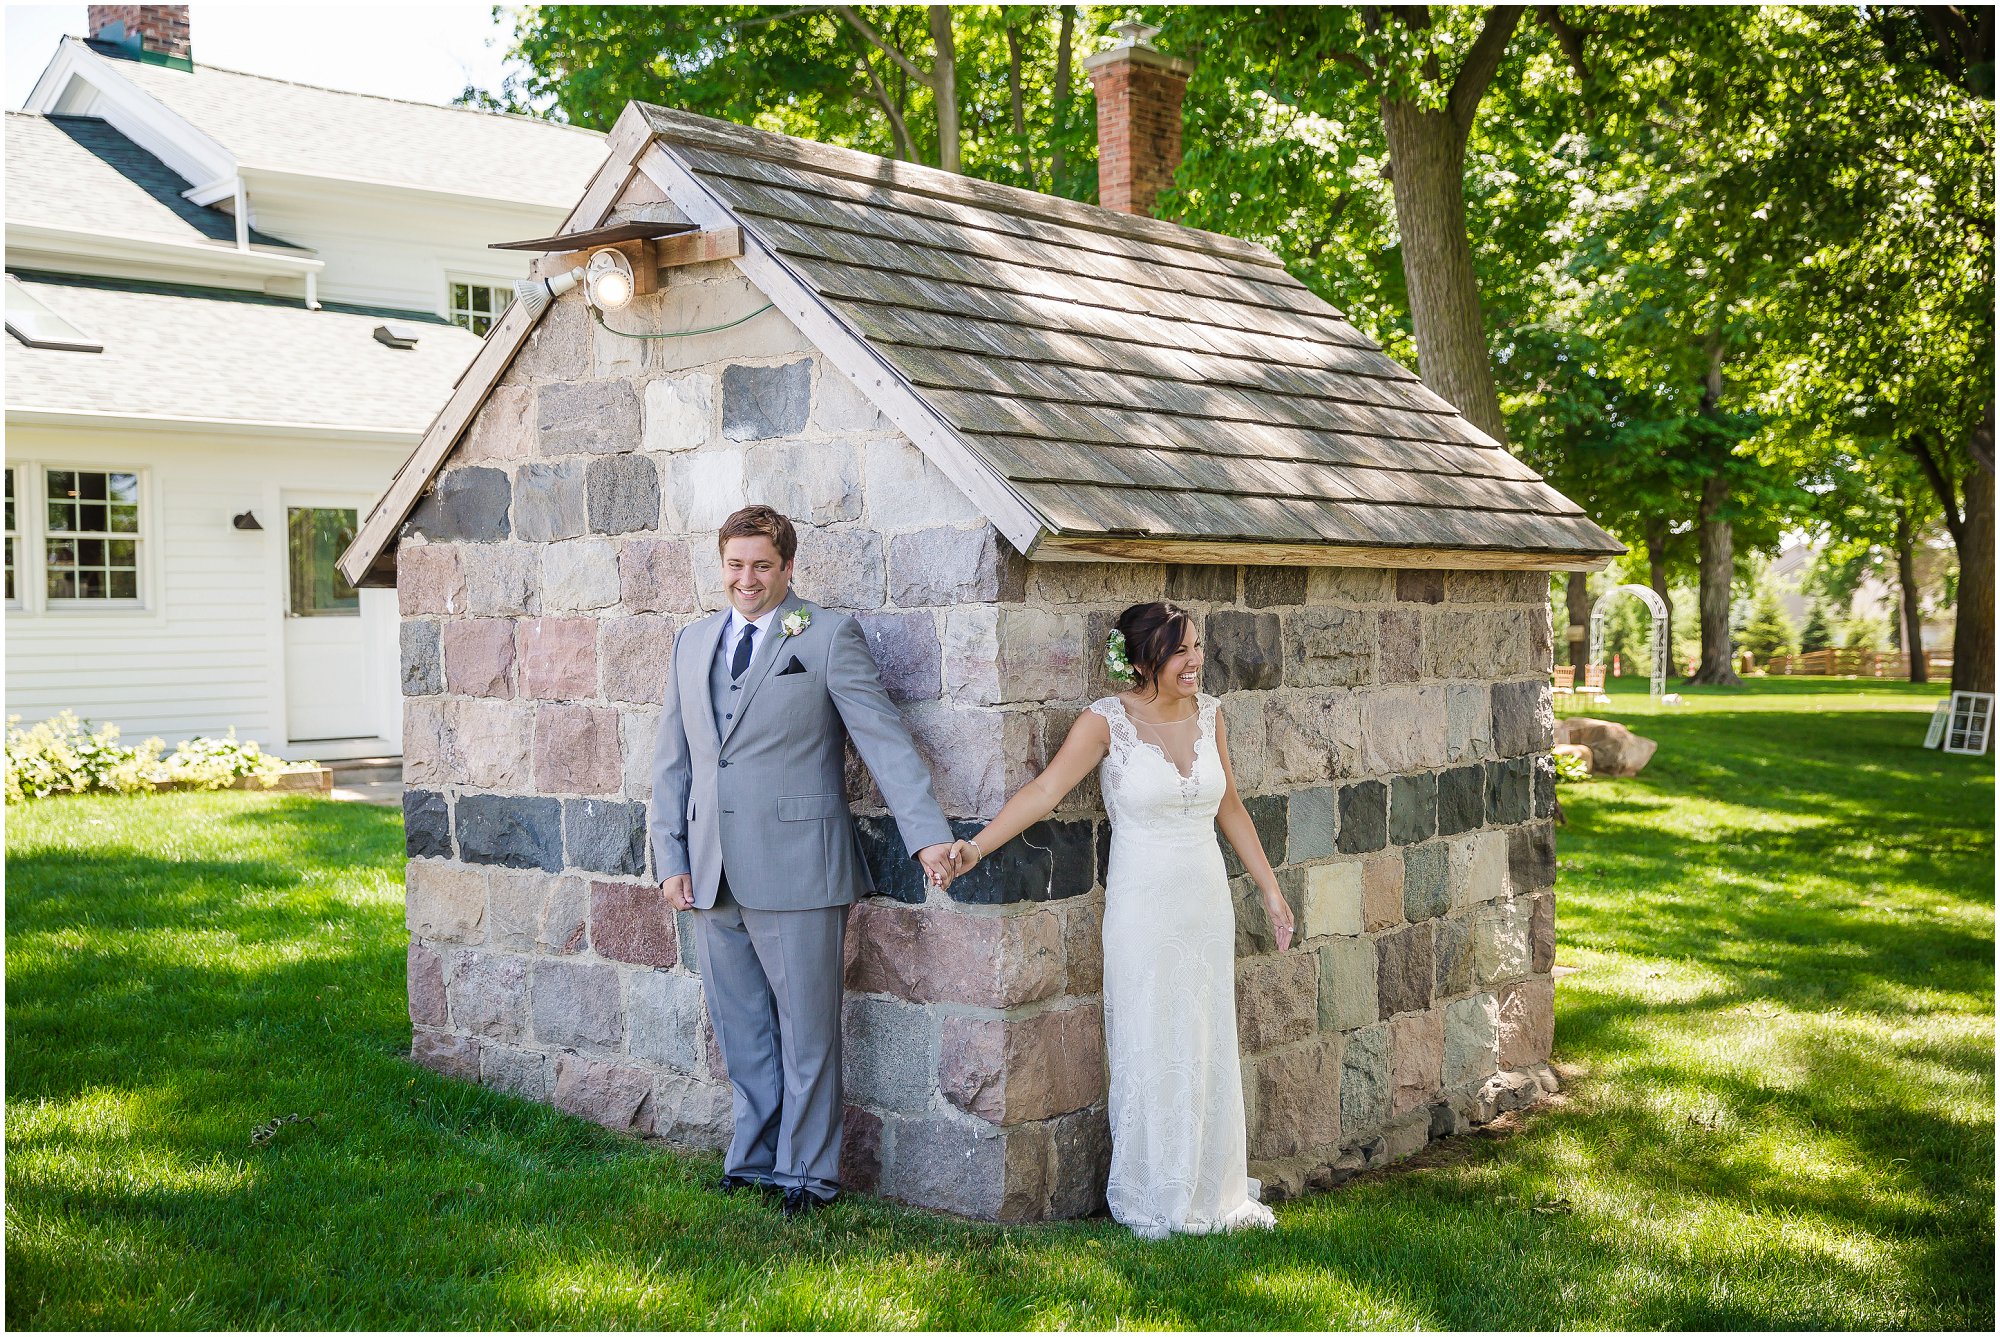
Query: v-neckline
x=1187 y=777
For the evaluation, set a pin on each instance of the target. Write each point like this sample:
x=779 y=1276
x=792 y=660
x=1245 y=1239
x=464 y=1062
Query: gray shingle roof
x=211 y=353
x=78 y=172
x=1127 y=376
x=320 y=131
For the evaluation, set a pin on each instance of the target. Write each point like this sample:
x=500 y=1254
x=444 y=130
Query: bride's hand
x=1280 y=915
x=963 y=856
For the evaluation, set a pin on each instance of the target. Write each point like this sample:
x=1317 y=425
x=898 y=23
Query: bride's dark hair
x=1153 y=634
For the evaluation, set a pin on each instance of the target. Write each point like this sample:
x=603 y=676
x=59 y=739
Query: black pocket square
x=794 y=667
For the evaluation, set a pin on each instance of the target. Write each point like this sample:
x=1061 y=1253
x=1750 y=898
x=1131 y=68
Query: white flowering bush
x=1571 y=770
x=64 y=755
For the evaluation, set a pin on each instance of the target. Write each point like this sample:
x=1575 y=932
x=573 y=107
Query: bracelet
x=975 y=847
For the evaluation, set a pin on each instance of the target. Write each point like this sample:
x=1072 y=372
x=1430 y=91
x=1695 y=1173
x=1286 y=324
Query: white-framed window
x=92 y=532
x=476 y=304
x=13 y=539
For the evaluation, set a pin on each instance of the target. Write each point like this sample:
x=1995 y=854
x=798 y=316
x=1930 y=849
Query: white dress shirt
x=733 y=633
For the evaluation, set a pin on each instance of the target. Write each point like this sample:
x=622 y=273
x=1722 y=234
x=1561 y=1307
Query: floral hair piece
x=1115 y=662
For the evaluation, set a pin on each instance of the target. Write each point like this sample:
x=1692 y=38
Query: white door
x=327 y=683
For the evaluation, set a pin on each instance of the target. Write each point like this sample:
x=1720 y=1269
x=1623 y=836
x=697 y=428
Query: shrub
x=1571 y=770
x=64 y=755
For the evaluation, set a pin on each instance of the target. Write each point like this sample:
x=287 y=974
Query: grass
x=1781 y=1023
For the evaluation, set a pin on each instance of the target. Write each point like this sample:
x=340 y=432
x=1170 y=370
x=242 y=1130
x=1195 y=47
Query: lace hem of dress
x=1251 y=1215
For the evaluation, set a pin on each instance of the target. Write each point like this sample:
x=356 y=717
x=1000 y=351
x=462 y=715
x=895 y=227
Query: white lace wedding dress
x=1178 y=1144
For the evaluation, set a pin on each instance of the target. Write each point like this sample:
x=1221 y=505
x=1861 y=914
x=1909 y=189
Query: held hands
x=1280 y=915
x=964 y=855
x=680 y=892
x=939 y=869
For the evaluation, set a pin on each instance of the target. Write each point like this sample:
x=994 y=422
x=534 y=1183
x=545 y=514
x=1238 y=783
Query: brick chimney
x=159 y=29
x=1139 y=92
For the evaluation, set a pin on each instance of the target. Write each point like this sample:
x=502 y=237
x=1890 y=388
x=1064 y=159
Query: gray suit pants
x=772 y=979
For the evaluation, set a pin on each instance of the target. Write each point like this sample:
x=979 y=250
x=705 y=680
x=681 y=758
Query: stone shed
x=996 y=418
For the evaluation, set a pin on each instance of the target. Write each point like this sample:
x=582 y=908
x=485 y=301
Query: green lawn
x=1781 y=1020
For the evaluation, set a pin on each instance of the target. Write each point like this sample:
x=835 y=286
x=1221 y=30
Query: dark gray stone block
x=759 y=403
x=1082 y=1163
x=1271 y=586
x=1050 y=861
x=1426 y=587
x=1455 y=956
x=1403 y=970
x=1201 y=584
x=1531 y=858
x=1461 y=799
x=423 y=669
x=1365 y=1088
x=1542 y=934
x=1509 y=791
x=1523 y=718
x=605 y=837
x=426 y=824
x=1413 y=808
x=1364 y=817
x=1268 y=813
x=1309 y=825
x=465 y=506
x=890 y=867
x=548 y=501
x=1243 y=651
x=907 y=656
x=509 y=831
x=592 y=416
x=624 y=493
x=1545 y=786
x=1426 y=881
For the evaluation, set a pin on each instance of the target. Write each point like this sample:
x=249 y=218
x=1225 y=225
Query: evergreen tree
x=1769 y=632
x=1817 y=634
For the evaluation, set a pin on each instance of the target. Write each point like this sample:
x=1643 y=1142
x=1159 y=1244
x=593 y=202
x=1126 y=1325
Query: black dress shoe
x=732 y=1183
x=799 y=1201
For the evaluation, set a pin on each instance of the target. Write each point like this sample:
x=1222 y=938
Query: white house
x=233 y=303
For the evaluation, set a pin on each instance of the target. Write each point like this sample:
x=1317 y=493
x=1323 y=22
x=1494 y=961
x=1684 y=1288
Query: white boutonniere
x=795 y=622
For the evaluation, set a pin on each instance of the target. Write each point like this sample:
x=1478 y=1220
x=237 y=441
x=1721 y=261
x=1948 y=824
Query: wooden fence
x=1859 y=664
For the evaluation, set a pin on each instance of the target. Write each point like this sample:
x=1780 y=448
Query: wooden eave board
x=597 y=236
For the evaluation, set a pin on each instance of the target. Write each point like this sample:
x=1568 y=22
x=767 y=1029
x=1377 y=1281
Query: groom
x=750 y=830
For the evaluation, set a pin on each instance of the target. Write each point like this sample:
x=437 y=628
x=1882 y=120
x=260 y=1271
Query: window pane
x=482 y=299
x=90 y=552
x=91 y=487
x=124 y=584
x=461 y=296
x=123 y=552
x=62 y=553
x=62 y=515
x=124 y=519
x=122 y=488
x=316 y=538
x=62 y=483
x=479 y=325
x=89 y=584
x=10 y=501
x=90 y=518
x=62 y=585
x=10 y=568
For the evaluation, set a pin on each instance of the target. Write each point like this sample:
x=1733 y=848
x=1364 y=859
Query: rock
x=759 y=403
x=664 y=1012
x=503 y=580
x=1479 y=868
x=1298 y=1100
x=425 y=974
x=1531 y=858
x=938 y=955
x=680 y=412
x=1307 y=737
x=843 y=568
x=953 y=1165
x=612 y=1094
x=1050 y=861
x=1523 y=717
x=1461 y=799
x=1402 y=640
x=479 y=656
x=1083 y=947
x=488 y=743
x=1364 y=1080
x=1243 y=651
x=1510 y=1090
x=1364 y=817
x=1420 y=587
x=1576 y=752
x=1542 y=934
x=1402 y=729
x=489 y=995
x=1416 y=1060
x=1468 y=724
x=889 y=1054
x=1333 y=901
x=1009 y=1072
x=1348 y=584
x=426 y=824
x=1614 y=749
x=1347 y=1000
x=632 y=922
x=815 y=483
x=1082 y=1143
x=429 y=579
x=549 y=501
x=422 y=658
x=1527 y=1012
x=605 y=837
x=1382 y=892
x=1403 y=970
x=1510 y=790
x=705 y=488
x=444 y=902
x=860 y=1151
x=465 y=505
x=579 y=575
x=1452 y=950
x=518 y=1072
x=1270 y=586
x=512 y=832
x=656 y=576
x=503 y=429
x=532 y=911
x=576 y=750
x=1412 y=808
x=592 y=416
x=905 y=490
x=1277 y=1000
x=1426 y=881
x=634 y=656
x=1327 y=647
x=1501 y=944
x=559 y=658
x=1309 y=825
x=842 y=406
x=452 y=1055
x=623 y=492
x=1471 y=1038
x=1201 y=584
x=577 y=1004
x=691 y=1110
x=933 y=567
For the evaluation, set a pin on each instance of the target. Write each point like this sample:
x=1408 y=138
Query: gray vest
x=725 y=692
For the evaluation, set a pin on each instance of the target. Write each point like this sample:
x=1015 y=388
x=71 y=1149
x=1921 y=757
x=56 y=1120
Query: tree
x=1817 y=634
x=1769 y=632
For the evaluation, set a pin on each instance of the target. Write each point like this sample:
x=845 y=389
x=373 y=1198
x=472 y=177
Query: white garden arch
x=1652 y=600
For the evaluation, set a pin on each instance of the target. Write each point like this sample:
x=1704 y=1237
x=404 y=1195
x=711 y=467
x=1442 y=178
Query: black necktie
x=742 y=659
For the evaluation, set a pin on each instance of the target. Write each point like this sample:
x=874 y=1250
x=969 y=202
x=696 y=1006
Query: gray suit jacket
x=764 y=793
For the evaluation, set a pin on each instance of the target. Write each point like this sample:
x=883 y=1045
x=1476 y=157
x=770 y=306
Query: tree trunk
x=944 y=86
x=1972 y=643
x=1578 y=599
x=1718 y=565
x=1906 y=581
x=1020 y=112
x=1656 y=573
x=1058 y=154
x=1427 y=170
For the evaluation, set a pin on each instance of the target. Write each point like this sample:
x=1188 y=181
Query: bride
x=1178 y=1144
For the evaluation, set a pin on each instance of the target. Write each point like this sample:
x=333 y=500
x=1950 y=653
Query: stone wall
x=1387 y=728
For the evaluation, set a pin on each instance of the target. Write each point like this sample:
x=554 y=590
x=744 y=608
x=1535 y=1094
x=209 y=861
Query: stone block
x=1382 y=891
x=1051 y=860
x=1461 y=799
x=1347 y=997
x=860 y=1151
x=953 y=1165
x=1309 y=825
x=889 y=1054
x=1545 y=788
x=1272 y=586
x=586 y=416
x=634 y=652
x=637 y=732
x=1328 y=647
x=813 y=482
x=1333 y=896
x=1201 y=583
x=1348 y=585
x=679 y=412
x=965 y=753
x=1298 y=1100
x=559 y=345
x=576 y=750
x=664 y=1015
x=489 y=995
x=841 y=568
x=1268 y=814
x=632 y=922
x=489 y=743
x=934 y=567
x=503 y=429
x=1416 y=1061
x=1402 y=638
x=1426 y=880
x=891 y=870
x=1009 y=1072
x=579 y=575
x=1364 y=1080
x=1471 y=1038
x=549 y=501
x=503 y=580
x=577 y=1005
x=705 y=487
x=479 y=656
x=444 y=902
x=464 y=505
x=1242 y=651
x=532 y=911
x=1308 y=737
x=604 y=836
x=1502 y=945
x=1403 y=971
x=1531 y=858
x=426 y=824
x=1402 y=729
x=1509 y=790
x=1468 y=727
x=509 y=831
x=623 y=493
x=1083 y=947
x=1364 y=817
x=841 y=406
x=938 y=955
x=907 y=654
x=1277 y=1000
x=1542 y=934
x=1527 y=1020
x=691 y=1110
x=759 y=403
x=1082 y=1164
x=1457 y=644
x=1066 y=584
x=1479 y=868
x=518 y=1072
x=449 y=1055
x=430 y=578
x=905 y=491
x=1523 y=717
x=1420 y=587
x=1242 y=727
x=1412 y=808
x=656 y=576
x=612 y=1094
x=559 y=658
x=424 y=976
x=1453 y=951
x=422 y=658
x=1043 y=655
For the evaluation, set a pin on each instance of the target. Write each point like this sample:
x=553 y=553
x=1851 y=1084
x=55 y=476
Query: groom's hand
x=680 y=892
x=936 y=860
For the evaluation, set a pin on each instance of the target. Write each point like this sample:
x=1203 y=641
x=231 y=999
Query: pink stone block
x=1527 y=1023
x=629 y=922
x=633 y=653
x=616 y=1096
x=425 y=742
x=937 y=955
x=656 y=576
x=576 y=750
x=426 y=987
x=1416 y=1059
x=559 y=658
x=1009 y=1072
x=1277 y=1000
x=1382 y=891
x=429 y=579
x=479 y=656
x=504 y=428
x=1298 y=1100
x=453 y=1055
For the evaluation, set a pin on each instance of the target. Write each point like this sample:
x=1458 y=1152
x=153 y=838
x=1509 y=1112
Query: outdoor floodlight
x=534 y=295
x=610 y=280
